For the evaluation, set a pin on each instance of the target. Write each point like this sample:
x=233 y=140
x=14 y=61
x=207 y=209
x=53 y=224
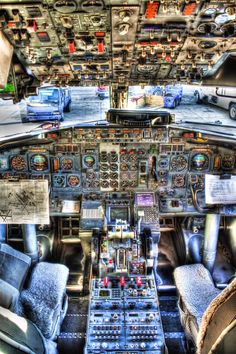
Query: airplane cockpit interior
x=118 y=233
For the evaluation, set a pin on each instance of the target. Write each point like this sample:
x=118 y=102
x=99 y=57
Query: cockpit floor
x=72 y=337
x=174 y=334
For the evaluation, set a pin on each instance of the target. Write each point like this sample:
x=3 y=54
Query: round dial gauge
x=90 y=174
x=18 y=163
x=103 y=156
x=95 y=184
x=67 y=163
x=124 y=158
x=200 y=162
x=133 y=167
x=104 y=167
x=227 y=162
x=179 y=163
x=124 y=184
x=104 y=184
x=39 y=162
x=59 y=181
x=113 y=156
x=113 y=175
x=73 y=181
x=104 y=175
x=113 y=167
x=114 y=184
x=89 y=160
x=178 y=181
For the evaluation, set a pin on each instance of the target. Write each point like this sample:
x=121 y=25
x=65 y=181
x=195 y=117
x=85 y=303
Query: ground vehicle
x=172 y=95
x=50 y=103
x=102 y=92
x=224 y=97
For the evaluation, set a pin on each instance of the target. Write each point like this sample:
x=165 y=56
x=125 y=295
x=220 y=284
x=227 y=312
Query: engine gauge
x=179 y=163
x=18 y=163
x=105 y=184
x=227 y=162
x=124 y=167
x=95 y=184
x=104 y=167
x=133 y=184
x=90 y=174
x=103 y=156
x=124 y=184
x=67 y=163
x=113 y=175
x=114 y=184
x=59 y=181
x=113 y=156
x=200 y=162
x=113 y=167
x=124 y=158
x=73 y=181
x=133 y=167
x=104 y=175
x=39 y=162
x=178 y=180
x=89 y=161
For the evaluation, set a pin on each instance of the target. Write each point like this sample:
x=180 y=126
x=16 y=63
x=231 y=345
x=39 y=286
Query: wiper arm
x=217 y=123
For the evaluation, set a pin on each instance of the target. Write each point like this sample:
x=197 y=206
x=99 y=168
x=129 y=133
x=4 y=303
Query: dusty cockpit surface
x=117 y=177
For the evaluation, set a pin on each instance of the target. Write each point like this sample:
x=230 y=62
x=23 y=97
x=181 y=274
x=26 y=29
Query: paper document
x=220 y=191
x=24 y=202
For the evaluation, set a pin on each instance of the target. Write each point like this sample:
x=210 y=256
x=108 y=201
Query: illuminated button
x=106 y=282
x=139 y=281
x=71 y=47
x=100 y=46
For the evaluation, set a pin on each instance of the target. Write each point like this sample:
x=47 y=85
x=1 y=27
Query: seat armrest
x=8 y=296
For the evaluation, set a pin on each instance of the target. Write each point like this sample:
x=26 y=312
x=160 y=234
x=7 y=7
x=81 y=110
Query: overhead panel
x=124 y=26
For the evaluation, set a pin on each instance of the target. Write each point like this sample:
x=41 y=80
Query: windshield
x=208 y=108
x=45 y=96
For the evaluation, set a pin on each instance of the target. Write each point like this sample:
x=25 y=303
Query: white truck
x=224 y=97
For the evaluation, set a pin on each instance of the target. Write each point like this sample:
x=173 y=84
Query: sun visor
x=5 y=59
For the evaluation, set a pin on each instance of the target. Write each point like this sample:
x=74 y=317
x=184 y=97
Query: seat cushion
x=14 y=265
x=8 y=296
x=16 y=330
x=43 y=302
x=196 y=289
x=218 y=324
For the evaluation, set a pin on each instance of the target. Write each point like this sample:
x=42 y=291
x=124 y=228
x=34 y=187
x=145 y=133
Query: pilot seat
x=37 y=306
x=207 y=314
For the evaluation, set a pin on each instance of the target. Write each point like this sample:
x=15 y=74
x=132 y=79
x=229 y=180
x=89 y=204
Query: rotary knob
x=142 y=345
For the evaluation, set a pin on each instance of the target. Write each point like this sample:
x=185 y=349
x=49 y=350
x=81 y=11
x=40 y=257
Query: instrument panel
x=98 y=161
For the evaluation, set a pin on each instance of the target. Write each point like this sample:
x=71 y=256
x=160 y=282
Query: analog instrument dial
x=178 y=180
x=73 y=181
x=227 y=162
x=179 y=163
x=67 y=163
x=200 y=162
x=18 y=163
x=89 y=161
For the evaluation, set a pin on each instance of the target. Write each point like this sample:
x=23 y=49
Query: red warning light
x=152 y=9
x=189 y=8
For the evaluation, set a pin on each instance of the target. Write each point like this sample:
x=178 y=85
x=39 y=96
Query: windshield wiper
x=217 y=123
